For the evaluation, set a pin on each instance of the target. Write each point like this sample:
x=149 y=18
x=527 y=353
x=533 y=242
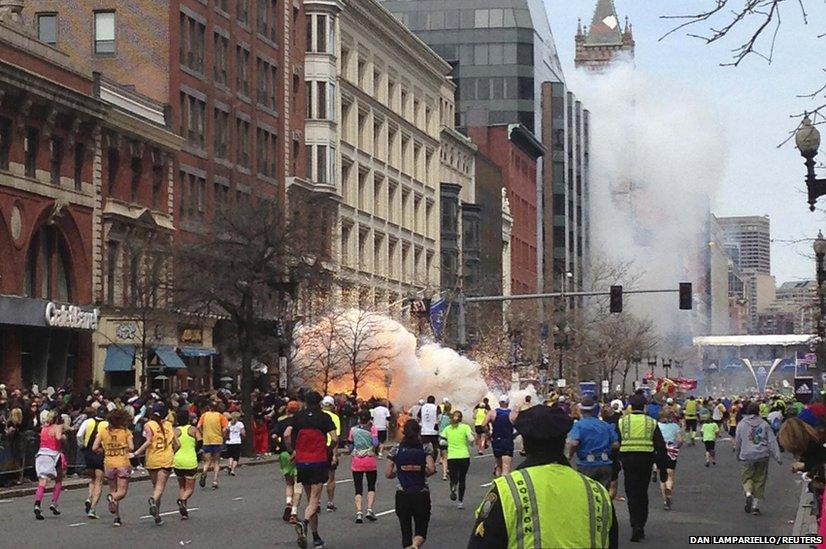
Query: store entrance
x=48 y=357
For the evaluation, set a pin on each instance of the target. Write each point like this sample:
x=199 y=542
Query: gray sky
x=754 y=102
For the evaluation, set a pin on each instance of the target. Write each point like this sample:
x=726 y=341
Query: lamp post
x=819 y=248
x=561 y=334
x=637 y=361
x=666 y=366
x=652 y=363
x=807 y=139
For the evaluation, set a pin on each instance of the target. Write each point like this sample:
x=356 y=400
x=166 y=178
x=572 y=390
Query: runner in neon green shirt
x=458 y=436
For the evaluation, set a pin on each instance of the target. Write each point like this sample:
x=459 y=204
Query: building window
x=47 y=28
x=113 y=165
x=157 y=184
x=192 y=120
x=243 y=14
x=136 y=169
x=221 y=134
x=191 y=43
x=111 y=270
x=242 y=138
x=105 y=32
x=267 y=82
x=267 y=10
x=80 y=157
x=30 y=144
x=221 y=54
x=266 y=145
x=56 y=146
x=320 y=34
x=242 y=70
x=47 y=266
x=222 y=5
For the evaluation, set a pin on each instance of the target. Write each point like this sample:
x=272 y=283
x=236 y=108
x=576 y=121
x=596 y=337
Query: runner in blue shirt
x=592 y=439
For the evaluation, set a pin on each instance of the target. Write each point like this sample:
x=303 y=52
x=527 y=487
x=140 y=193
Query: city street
x=245 y=512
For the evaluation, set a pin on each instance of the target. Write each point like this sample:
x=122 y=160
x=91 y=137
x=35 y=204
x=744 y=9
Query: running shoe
x=756 y=512
x=182 y=509
x=214 y=485
x=38 y=514
x=153 y=508
x=53 y=508
x=707 y=464
x=444 y=477
x=331 y=507
x=293 y=519
x=318 y=543
x=158 y=521
x=749 y=501
x=92 y=514
x=202 y=480
x=452 y=492
x=359 y=518
x=301 y=531
x=117 y=522
x=232 y=473
x=371 y=516
x=460 y=505
x=113 y=506
x=288 y=510
x=667 y=504
x=87 y=505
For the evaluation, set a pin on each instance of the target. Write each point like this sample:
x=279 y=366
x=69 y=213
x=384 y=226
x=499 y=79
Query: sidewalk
x=28 y=488
x=805 y=523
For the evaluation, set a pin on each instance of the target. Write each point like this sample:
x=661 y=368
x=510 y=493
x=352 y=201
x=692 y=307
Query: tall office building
x=504 y=64
x=747 y=241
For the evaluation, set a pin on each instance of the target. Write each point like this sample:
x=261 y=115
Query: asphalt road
x=245 y=512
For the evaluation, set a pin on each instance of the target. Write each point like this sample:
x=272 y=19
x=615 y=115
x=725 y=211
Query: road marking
x=76 y=524
x=340 y=481
x=238 y=499
x=5 y=501
x=145 y=517
x=385 y=513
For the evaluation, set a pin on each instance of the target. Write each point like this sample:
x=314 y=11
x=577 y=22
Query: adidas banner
x=804 y=389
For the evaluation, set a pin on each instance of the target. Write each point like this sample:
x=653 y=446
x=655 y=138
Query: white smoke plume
x=658 y=155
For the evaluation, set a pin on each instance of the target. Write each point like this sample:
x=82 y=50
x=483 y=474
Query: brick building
x=515 y=151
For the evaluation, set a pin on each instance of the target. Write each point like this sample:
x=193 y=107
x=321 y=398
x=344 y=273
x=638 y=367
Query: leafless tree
x=360 y=337
x=318 y=352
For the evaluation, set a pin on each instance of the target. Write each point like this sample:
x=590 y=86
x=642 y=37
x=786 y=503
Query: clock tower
x=605 y=41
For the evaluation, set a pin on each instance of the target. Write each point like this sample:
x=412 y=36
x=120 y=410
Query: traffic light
x=685 y=296
x=616 y=299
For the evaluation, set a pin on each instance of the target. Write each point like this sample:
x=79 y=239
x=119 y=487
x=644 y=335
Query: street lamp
x=807 y=139
x=819 y=248
x=636 y=360
x=652 y=363
x=666 y=366
x=561 y=334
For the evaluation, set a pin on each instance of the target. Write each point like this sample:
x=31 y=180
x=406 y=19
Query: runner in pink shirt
x=364 y=442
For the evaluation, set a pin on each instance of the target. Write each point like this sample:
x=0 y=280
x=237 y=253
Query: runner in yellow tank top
x=185 y=461
x=160 y=446
x=116 y=443
x=479 y=415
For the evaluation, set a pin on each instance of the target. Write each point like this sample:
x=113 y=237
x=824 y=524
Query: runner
x=117 y=444
x=458 y=437
x=710 y=430
x=235 y=437
x=732 y=421
x=755 y=443
x=381 y=416
x=185 y=461
x=49 y=463
x=327 y=404
x=429 y=420
x=308 y=435
x=673 y=437
x=411 y=463
x=690 y=414
x=288 y=470
x=213 y=426
x=480 y=412
x=593 y=441
x=86 y=435
x=501 y=436
x=363 y=441
x=444 y=421
x=160 y=445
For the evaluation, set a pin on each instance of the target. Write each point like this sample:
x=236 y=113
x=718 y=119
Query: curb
x=805 y=523
x=75 y=483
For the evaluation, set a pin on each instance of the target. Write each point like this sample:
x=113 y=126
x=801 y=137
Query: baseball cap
x=327 y=401
x=669 y=400
x=504 y=398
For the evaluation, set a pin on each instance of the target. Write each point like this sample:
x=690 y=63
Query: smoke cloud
x=658 y=155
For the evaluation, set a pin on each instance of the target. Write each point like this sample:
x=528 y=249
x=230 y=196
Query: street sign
x=804 y=389
x=282 y=372
x=560 y=383
x=605 y=387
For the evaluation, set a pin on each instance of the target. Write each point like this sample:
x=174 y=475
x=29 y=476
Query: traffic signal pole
x=464 y=300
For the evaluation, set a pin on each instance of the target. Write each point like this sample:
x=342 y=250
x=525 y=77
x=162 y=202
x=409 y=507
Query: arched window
x=47 y=266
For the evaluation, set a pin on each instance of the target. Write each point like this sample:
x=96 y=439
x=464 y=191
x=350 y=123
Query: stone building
x=605 y=40
x=379 y=102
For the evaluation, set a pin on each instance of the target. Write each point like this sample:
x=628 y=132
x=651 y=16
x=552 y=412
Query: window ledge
x=221 y=12
x=192 y=72
x=268 y=179
x=267 y=40
x=268 y=110
x=194 y=150
x=243 y=170
x=245 y=98
x=224 y=162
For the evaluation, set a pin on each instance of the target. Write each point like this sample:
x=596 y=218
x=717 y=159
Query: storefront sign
x=192 y=335
x=804 y=389
x=71 y=316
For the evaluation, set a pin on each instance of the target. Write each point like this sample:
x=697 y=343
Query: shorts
x=234 y=451
x=313 y=475
x=382 y=436
x=502 y=447
x=186 y=473
x=433 y=440
x=709 y=444
x=213 y=449
x=691 y=425
x=286 y=463
x=732 y=431
x=480 y=430
x=600 y=473
x=93 y=460
x=118 y=472
x=167 y=469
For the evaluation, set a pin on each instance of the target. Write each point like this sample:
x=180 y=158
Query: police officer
x=641 y=445
x=544 y=502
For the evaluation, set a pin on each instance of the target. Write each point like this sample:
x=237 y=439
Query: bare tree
x=318 y=352
x=359 y=336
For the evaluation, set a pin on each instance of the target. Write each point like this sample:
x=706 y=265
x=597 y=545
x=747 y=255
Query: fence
x=17 y=453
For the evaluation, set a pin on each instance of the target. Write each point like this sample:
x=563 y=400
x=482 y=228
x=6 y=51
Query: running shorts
x=234 y=451
x=480 y=430
x=118 y=472
x=382 y=436
x=433 y=440
x=212 y=449
x=709 y=444
x=286 y=463
x=313 y=475
x=167 y=469
x=732 y=431
x=93 y=460
x=502 y=447
x=186 y=473
x=691 y=424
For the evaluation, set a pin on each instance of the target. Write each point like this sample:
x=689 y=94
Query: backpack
x=704 y=414
x=776 y=422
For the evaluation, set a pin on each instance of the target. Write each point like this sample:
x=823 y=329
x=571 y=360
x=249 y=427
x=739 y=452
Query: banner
x=804 y=389
x=438 y=312
x=803 y=358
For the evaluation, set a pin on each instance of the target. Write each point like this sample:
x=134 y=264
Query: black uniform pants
x=637 y=469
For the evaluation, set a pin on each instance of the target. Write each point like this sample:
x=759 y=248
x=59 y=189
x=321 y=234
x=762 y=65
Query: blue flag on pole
x=438 y=311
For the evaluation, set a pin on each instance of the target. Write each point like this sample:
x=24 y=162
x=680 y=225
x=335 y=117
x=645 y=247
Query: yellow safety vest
x=637 y=433
x=690 y=409
x=554 y=506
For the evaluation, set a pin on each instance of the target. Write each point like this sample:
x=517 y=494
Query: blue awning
x=170 y=358
x=119 y=359
x=198 y=351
